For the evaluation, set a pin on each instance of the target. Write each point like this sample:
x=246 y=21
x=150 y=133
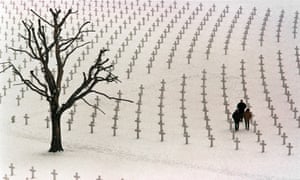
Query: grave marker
x=116 y=116
x=275 y=118
x=295 y=112
x=254 y=126
x=69 y=122
x=12 y=168
x=32 y=170
x=138 y=121
x=47 y=119
x=18 y=98
x=258 y=133
x=263 y=144
x=187 y=136
x=237 y=141
x=92 y=125
x=54 y=174
x=290 y=147
x=279 y=126
x=26 y=117
x=211 y=138
x=284 y=136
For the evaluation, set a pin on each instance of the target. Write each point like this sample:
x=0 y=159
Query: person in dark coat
x=236 y=118
x=241 y=106
x=247 y=117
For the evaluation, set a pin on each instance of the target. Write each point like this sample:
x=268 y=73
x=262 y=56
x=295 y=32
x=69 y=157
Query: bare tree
x=50 y=85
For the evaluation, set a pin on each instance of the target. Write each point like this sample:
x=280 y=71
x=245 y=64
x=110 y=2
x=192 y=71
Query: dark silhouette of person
x=247 y=117
x=241 y=106
x=236 y=118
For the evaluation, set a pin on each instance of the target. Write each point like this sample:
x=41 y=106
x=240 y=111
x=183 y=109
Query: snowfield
x=161 y=46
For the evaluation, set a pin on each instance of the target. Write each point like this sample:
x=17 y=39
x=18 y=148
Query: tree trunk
x=56 y=142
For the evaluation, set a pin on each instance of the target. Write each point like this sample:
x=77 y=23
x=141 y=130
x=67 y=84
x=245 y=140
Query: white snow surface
x=125 y=156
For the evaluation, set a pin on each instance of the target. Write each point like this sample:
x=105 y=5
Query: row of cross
x=297 y=54
x=215 y=29
x=182 y=32
x=295 y=26
x=160 y=41
x=247 y=28
x=235 y=139
x=243 y=75
x=120 y=5
x=225 y=96
x=33 y=172
x=271 y=107
x=161 y=97
x=147 y=35
x=116 y=116
x=290 y=100
x=183 y=108
x=279 y=25
x=208 y=127
x=204 y=21
x=232 y=25
x=138 y=112
x=258 y=132
x=263 y=28
x=227 y=111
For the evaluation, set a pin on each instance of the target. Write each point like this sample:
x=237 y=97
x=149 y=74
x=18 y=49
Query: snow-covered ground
x=125 y=156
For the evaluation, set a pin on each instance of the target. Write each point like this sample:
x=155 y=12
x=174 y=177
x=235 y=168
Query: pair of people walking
x=240 y=114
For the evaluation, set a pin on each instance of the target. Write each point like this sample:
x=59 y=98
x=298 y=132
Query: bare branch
x=84 y=100
x=5 y=68
x=73 y=50
x=66 y=16
x=25 y=38
x=39 y=81
x=29 y=28
x=40 y=17
x=70 y=41
x=23 y=51
x=30 y=84
x=110 y=97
